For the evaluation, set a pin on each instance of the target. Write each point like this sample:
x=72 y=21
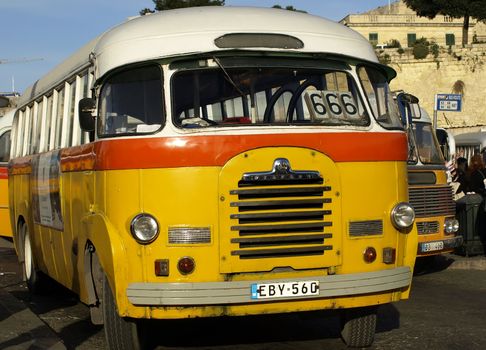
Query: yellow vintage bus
x=216 y=161
x=5 y=126
x=429 y=191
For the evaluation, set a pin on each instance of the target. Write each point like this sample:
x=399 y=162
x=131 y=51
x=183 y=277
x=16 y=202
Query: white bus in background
x=469 y=144
x=447 y=143
x=5 y=127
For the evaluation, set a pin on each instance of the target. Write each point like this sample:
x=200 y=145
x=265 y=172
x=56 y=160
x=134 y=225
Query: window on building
x=450 y=39
x=411 y=39
x=373 y=38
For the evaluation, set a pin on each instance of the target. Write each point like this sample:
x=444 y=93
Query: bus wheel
x=120 y=333
x=33 y=277
x=359 y=326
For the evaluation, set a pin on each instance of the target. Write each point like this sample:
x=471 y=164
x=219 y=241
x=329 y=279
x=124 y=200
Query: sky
x=36 y=35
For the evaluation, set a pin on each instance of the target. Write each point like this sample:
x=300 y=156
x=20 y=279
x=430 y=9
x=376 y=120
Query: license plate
x=284 y=289
x=433 y=246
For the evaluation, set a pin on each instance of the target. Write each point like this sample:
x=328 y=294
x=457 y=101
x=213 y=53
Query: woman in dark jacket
x=477 y=175
x=477 y=180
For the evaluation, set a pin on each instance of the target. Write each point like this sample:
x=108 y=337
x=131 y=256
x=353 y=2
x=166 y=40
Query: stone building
x=397 y=22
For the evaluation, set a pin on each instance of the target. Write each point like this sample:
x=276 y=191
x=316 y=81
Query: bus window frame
x=26 y=126
x=99 y=85
x=43 y=125
x=385 y=75
x=9 y=146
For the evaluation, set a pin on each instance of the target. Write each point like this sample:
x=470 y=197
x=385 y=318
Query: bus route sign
x=448 y=102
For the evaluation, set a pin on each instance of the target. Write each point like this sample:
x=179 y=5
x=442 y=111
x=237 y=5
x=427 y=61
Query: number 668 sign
x=331 y=104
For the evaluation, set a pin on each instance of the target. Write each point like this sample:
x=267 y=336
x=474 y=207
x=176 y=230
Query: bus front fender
x=98 y=236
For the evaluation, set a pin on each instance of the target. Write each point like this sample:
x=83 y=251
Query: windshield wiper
x=229 y=79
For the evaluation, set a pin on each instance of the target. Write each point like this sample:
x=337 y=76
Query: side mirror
x=86 y=109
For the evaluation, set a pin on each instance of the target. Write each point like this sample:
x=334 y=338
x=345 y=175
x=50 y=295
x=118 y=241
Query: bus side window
x=131 y=102
x=5 y=147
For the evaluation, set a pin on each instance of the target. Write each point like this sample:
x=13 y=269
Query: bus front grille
x=432 y=201
x=427 y=227
x=273 y=221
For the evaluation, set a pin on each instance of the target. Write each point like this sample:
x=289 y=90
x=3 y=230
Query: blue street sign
x=448 y=102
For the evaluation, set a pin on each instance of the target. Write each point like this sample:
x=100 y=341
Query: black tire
x=424 y=264
x=120 y=333
x=34 y=279
x=359 y=326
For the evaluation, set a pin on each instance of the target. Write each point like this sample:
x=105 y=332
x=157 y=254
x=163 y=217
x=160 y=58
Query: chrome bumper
x=239 y=292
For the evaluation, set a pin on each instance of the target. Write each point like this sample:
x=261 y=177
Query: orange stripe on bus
x=3 y=172
x=20 y=166
x=189 y=151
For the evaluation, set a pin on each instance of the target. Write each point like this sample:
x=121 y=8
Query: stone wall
x=451 y=71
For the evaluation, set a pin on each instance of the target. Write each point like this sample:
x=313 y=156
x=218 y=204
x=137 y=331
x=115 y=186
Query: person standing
x=461 y=175
x=477 y=175
x=477 y=184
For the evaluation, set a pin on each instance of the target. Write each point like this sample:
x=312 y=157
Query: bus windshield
x=425 y=144
x=221 y=95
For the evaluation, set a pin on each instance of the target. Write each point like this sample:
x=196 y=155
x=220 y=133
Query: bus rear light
x=186 y=265
x=389 y=255
x=161 y=267
x=369 y=255
x=189 y=235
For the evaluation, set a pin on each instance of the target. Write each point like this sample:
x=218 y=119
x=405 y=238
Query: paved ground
x=20 y=327
x=446 y=311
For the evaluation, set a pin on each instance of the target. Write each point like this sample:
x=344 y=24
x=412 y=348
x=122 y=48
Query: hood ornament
x=281 y=170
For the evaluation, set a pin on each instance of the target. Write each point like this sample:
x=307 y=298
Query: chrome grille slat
x=281 y=252
x=279 y=240
x=281 y=192
x=432 y=201
x=281 y=216
x=281 y=203
x=284 y=228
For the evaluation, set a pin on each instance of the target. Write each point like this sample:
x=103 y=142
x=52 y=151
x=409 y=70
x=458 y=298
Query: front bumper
x=440 y=245
x=239 y=292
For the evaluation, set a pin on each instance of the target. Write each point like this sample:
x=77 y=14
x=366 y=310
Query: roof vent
x=249 y=40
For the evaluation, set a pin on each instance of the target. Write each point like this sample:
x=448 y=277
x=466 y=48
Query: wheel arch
x=103 y=249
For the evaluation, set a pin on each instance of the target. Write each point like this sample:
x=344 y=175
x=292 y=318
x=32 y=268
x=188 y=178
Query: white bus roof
x=193 y=30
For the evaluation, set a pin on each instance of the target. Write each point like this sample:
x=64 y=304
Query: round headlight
x=455 y=225
x=451 y=226
x=402 y=216
x=144 y=228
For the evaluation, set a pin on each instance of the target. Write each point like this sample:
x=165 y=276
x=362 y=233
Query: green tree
x=454 y=8
x=162 y=5
x=290 y=8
